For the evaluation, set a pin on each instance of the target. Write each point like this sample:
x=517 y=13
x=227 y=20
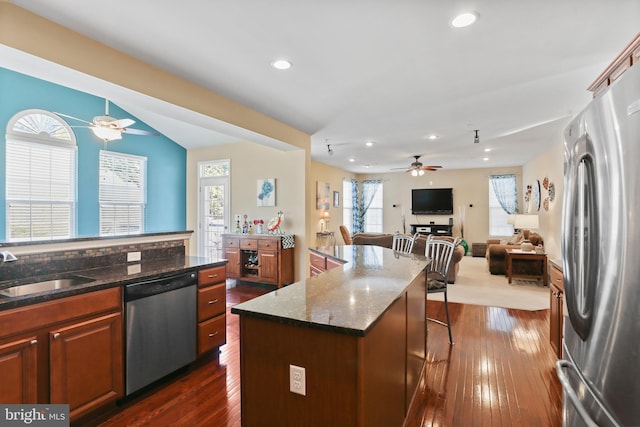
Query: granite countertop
x=105 y=277
x=347 y=299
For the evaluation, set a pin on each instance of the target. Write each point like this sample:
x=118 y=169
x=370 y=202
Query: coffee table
x=528 y=256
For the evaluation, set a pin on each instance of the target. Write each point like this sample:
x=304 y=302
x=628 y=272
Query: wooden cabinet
x=85 y=372
x=259 y=258
x=64 y=351
x=629 y=56
x=212 y=307
x=320 y=263
x=18 y=360
x=556 y=316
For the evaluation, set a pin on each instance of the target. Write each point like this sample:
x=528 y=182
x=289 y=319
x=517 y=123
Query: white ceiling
x=387 y=71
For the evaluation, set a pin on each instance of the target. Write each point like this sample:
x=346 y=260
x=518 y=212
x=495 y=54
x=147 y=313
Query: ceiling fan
x=108 y=128
x=417 y=168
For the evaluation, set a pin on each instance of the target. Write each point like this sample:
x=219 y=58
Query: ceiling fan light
x=414 y=173
x=106 y=134
x=420 y=172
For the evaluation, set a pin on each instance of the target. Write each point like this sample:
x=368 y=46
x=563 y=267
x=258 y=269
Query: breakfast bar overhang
x=358 y=331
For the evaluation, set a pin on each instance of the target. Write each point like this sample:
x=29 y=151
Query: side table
x=528 y=256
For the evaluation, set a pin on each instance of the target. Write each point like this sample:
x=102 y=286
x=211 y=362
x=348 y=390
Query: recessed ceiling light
x=432 y=136
x=486 y=159
x=351 y=159
x=464 y=19
x=281 y=64
x=369 y=143
x=486 y=150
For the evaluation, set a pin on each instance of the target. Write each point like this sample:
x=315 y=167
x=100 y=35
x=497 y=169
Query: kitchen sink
x=60 y=282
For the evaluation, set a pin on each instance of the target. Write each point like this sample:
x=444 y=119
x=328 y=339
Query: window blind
x=40 y=190
x=122 y=193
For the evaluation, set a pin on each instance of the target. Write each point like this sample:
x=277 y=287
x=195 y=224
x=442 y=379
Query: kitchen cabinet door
x=86 y=363
x=233 y=266
x=268 y=264
x=18 y=364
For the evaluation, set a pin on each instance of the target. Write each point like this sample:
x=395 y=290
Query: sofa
x=497 y=256
x=386 y=240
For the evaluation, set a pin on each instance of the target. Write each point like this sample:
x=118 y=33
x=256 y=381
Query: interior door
x=214 y=216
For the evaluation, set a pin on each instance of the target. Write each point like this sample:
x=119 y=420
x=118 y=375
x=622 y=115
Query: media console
x=437 y=229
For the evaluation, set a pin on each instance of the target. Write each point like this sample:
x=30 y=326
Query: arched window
x=41 y=177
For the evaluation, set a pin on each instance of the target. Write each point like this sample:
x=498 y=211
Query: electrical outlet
x=133 y=256
x=297 y=380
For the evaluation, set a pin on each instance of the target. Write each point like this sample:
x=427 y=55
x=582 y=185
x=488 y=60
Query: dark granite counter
x=348 y=299
x=104 y=277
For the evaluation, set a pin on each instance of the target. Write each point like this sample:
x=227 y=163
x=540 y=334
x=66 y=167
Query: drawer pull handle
x=211 y=276
x=213 y=301
x=56 y=335
x=33 y=342
x=213 y=334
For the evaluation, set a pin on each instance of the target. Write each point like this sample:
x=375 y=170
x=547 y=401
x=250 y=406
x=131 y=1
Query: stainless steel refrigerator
x=600 y=372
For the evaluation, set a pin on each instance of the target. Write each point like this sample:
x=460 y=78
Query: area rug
x=475 y=285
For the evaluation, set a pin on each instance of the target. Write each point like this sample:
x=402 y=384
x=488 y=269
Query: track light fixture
x=476 y=140
x=329 y=149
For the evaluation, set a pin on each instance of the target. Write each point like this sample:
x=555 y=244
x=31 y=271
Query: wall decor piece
x=336 y=199
x=552 y=191
x=545 y=183
x=545 y=203
x=266 y=192
x=323 y=195
x=527 y=198
x=535 y=196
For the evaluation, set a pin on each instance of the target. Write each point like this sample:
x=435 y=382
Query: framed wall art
x=336 y=199
x=323 y=195
x=266 y=192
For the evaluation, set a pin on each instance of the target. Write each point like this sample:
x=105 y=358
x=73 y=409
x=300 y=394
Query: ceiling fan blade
x=431 y=167
x=139 y=132
x=123 y=123
x=74 y=118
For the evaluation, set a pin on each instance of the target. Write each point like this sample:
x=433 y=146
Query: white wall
x=250 y=162
x=550 y=165
x=470 y=198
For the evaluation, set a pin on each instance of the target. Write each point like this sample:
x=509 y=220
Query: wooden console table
x=527 y=256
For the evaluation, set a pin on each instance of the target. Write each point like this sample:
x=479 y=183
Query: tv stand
x=437 y=229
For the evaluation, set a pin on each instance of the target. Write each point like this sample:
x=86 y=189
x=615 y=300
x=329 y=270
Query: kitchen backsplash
x=37 y=264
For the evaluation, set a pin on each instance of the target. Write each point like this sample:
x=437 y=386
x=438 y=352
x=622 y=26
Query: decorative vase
x=526 y=246
x=259 y=229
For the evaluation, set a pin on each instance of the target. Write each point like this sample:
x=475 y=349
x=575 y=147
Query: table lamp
x=526 y=222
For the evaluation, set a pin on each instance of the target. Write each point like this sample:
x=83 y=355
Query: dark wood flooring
x=500 y=372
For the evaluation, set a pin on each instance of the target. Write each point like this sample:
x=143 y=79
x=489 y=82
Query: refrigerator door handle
x=570 y=393
x=581 y=223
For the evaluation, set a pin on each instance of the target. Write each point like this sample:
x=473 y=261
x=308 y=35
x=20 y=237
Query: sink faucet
x=7 y=256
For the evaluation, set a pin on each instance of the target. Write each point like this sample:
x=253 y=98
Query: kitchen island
x=359 y=333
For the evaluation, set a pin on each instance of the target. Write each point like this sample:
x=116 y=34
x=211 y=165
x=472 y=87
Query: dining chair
x=346 y=236
x=440 y=253
x=403 y=243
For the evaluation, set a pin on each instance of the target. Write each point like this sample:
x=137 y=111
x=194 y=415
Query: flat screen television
x=432 y=201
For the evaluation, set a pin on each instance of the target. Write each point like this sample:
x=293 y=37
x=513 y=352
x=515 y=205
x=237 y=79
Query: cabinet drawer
x=210 y=276
x=231 y=243
x=249 y=244
x=211 y=302
x=267 y=244
x=212 y=334
x=332 y=263
x=318 y=261
x=557 y=278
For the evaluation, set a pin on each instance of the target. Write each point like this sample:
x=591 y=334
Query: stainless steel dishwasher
x=160 y=328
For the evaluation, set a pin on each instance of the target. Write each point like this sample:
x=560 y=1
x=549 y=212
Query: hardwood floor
x=500 y=372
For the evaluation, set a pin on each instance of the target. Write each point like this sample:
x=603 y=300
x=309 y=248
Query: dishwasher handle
x=159 y=285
